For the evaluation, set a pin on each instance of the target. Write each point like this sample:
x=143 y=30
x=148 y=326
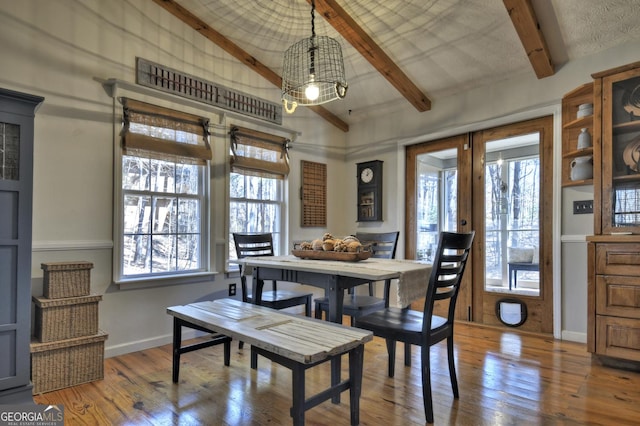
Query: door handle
x=463 y=222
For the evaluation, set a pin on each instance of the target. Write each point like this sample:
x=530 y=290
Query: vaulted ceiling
x=414 y=52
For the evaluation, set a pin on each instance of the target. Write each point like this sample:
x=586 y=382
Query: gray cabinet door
x=16 y=182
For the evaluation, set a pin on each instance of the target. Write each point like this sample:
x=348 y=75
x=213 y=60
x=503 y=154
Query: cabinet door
x=618 y=337
x=618 y=296
x=621 y=152
x=618 y=259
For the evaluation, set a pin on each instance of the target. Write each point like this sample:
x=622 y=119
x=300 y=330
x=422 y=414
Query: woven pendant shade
x=313 y=71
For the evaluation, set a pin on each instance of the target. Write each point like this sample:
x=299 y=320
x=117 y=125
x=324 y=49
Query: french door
x=513 y=187
x=438 y=191
x=497 y=182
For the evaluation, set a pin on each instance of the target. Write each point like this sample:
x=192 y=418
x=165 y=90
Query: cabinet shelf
x=579 y=123
x=627 y=178
x=578 y=182
x=578 y=153
x=630 y=127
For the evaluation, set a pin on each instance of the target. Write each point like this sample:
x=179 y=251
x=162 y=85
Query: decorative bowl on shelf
x=585 y=110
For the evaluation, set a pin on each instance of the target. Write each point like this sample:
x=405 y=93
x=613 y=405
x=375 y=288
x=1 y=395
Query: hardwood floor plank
x=505 y=377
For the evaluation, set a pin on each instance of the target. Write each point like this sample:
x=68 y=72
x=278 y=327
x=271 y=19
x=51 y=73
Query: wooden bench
x=293 y=341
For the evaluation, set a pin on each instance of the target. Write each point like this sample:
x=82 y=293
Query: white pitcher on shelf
x=584 y=138
x=582 y=168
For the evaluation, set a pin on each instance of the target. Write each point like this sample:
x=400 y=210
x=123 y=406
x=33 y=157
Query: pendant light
x=313 y=71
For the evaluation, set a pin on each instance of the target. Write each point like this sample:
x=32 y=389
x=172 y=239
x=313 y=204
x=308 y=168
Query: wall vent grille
x=181 y=84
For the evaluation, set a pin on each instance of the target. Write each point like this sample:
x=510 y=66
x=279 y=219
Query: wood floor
x=505 y=378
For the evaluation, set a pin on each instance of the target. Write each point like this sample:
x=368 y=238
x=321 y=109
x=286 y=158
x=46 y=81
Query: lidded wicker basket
x=66 y=279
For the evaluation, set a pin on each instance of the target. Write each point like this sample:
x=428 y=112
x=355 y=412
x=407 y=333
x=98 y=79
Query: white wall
x=57 y=49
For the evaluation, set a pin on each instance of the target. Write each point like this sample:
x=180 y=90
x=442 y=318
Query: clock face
x=366 y=175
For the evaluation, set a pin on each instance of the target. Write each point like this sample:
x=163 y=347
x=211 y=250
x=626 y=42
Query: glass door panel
x=436 y=195
x=512 y=215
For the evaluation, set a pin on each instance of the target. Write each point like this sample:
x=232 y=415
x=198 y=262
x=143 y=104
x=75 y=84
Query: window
x=162 y=193
x=259 y=165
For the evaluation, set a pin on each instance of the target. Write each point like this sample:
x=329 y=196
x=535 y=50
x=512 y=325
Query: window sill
x=147 y=282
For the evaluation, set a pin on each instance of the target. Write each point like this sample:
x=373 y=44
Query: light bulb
x=312 y=91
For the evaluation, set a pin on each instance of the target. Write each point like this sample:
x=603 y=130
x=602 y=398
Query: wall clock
x=369 y=191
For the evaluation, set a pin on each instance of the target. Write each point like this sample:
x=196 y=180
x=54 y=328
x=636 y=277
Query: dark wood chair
x=248 y=245
x=354 y=305
x=424 y=328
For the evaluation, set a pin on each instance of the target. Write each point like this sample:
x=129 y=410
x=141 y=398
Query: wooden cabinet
x=614 y=251
x=370 y=191
x=573 y=121
x=620 y=153
x=614 y=297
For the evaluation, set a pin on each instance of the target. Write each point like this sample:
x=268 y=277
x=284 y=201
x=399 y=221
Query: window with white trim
x=163 y=193
x=259 y=166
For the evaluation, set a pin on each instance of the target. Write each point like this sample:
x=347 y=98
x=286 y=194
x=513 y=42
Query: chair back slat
x=248 y=245
x=383 y=244
x=446 y=276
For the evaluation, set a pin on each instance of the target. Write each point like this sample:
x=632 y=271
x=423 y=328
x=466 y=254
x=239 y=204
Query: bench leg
x=178 y=349
x=254 y=359
x=227 y=353
x=356 y=363
x=298 y=384
x=335 y=376
x=177 y=339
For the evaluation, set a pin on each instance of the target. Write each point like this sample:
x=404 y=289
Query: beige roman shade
x=258 y=153
x=163 y=133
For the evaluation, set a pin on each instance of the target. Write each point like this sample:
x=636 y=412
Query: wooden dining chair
x=425 y=329
x=248 y=245
x=383 y=245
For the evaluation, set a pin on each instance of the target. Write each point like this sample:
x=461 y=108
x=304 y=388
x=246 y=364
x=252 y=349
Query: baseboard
x=141 y=345
x=573 y=336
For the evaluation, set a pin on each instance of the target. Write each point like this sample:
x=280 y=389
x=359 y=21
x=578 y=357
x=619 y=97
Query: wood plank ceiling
x=520 y=11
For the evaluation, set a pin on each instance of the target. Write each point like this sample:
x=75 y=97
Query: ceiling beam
x=531 y=36
x=233 y=49
x=354 y=34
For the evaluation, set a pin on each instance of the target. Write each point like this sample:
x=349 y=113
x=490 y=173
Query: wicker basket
x=66 y=363
x=58 y=319
x=66 y=279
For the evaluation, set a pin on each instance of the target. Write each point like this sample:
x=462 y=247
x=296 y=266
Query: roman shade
x=258 y=153
x=165 y=134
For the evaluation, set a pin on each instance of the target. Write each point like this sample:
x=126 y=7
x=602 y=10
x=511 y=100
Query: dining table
x=335 y=276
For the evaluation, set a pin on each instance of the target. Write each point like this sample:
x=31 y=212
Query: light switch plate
x=583 y=207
